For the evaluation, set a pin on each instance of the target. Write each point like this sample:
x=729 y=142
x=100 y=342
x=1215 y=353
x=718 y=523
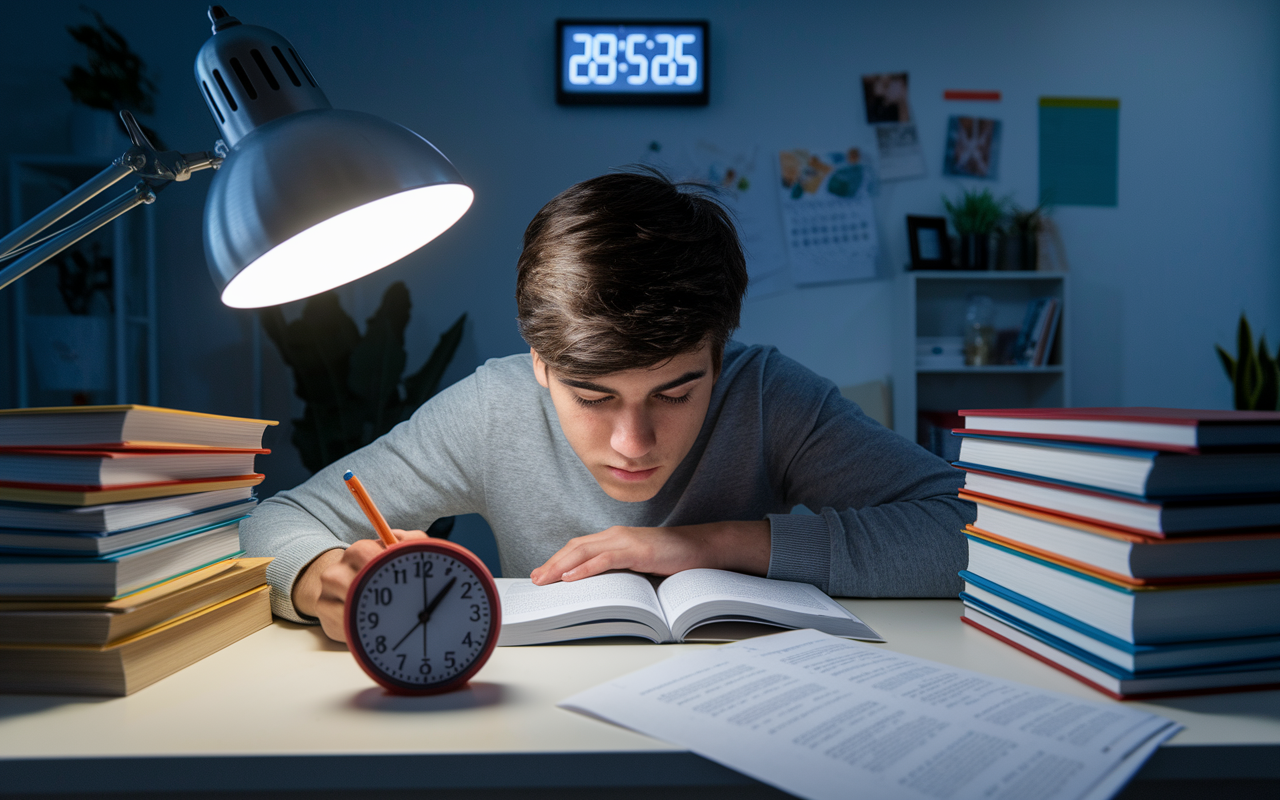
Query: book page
x=522 y=601
x=694 y=596
x=815 y=715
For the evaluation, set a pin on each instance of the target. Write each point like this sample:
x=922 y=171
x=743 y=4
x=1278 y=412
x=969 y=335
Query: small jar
x=979 y=331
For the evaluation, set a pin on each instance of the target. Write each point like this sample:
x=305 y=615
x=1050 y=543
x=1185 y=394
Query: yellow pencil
x=370 y=510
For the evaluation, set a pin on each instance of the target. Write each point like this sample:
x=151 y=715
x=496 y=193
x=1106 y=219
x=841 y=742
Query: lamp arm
x=142 y=194
x=91 y=188
x=157 y=170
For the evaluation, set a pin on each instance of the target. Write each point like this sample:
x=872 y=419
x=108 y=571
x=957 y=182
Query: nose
x=633 y=434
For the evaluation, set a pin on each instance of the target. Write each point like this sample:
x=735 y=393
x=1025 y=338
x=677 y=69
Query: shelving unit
x=933 y=303
x=109 y=355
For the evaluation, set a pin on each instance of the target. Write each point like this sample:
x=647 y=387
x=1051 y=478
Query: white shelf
x=932 y=303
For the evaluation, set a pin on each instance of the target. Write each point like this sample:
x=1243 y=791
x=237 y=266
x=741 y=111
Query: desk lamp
x=306 y=197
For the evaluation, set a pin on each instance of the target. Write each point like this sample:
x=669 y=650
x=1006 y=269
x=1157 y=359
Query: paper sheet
x=830 y=226
x=1079 y=151
x=822 y=717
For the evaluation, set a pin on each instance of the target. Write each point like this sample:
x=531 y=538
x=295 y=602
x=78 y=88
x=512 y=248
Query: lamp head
x=308 y=197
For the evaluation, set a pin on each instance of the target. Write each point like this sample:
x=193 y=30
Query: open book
x=698 y=605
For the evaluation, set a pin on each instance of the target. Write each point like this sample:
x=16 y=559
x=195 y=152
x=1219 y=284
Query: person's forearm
x=739 y=546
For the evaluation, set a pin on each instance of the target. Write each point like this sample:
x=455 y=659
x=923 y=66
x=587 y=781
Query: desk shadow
x=1256 y=704
x=19 y=705
x=476 y=694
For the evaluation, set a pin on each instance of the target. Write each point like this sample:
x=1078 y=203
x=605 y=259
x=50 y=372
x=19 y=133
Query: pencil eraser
x=348 y=475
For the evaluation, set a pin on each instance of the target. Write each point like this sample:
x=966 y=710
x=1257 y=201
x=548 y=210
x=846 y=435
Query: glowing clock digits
x=581 y=59
x=601 y=58
x=664 y=66
x=685 y=60
x=633 y=57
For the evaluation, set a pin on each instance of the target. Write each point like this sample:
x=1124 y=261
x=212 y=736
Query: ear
x=539 y=369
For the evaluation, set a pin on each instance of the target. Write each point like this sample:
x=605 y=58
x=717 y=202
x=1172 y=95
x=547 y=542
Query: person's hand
x=321 y=589
x=737 y=546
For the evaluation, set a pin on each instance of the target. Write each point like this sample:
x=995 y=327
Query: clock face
x=614 y=62
x=423 y=616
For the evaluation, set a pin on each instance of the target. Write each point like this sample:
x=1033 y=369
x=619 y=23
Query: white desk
x=286 y=709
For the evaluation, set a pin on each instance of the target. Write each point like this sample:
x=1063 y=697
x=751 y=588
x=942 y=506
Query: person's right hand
x=321 y=589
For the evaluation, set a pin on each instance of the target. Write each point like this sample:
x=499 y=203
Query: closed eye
x=684 y=398
x=582 y=401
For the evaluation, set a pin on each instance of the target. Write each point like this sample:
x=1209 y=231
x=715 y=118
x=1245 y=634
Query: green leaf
x=421 y=385
x=378 y=361
x=1269 y=383
x=1228 y=363
x=1248 y=373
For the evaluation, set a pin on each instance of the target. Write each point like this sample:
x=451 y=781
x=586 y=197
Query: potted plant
x=115 y=79
x=1254 y=373
x=1020 y=241
x=351 y=382
x=976 y=216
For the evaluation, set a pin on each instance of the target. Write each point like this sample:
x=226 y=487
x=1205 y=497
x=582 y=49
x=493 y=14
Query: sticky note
x=1079 y=151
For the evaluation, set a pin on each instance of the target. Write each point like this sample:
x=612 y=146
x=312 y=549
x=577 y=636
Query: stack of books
x=120 y=557
x=1135 y=549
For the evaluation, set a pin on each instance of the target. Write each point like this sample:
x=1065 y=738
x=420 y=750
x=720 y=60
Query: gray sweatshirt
x=888 y=521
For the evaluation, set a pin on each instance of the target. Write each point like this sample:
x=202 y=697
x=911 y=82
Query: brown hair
x=626 y=271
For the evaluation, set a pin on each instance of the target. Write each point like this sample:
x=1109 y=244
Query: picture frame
x=930 y=244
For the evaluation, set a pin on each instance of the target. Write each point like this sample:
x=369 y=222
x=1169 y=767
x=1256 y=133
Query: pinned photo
x=885 y=96
x=973 y=148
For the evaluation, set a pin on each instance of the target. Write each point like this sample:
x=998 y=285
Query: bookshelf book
x=929 y=389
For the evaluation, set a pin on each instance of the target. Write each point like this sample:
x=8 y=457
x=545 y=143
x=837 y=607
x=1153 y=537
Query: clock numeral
x=380 y=644
x=475 y=613
x=430 y=568
x=466 y=590
x=639 y=60
x=663 y=69
x=401 y=575
x=467 y=640
x=372 y=616
x=425 y=667
x=577 y=61
x=684 y=60
x=382 y=597
x=401 y=660
x=449 y=660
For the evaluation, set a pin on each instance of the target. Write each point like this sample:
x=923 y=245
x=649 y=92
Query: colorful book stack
x=120 y=558
x=1135 y=549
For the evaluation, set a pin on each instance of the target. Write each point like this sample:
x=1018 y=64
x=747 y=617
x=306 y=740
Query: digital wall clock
x=616 y=62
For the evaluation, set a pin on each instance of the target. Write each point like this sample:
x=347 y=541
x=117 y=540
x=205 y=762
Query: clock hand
x=406 y=636
x=426 y=615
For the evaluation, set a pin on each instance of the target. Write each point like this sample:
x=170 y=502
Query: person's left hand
x=737 y=546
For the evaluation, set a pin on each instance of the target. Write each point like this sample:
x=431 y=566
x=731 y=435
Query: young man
x=634 y=435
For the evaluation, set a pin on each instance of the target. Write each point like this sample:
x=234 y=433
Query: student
x=634 y=435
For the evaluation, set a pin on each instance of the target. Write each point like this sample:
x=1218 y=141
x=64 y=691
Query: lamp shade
x=319 y=198
x=308 y=197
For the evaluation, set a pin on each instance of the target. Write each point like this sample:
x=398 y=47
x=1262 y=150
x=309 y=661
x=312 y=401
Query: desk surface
x=265 y=707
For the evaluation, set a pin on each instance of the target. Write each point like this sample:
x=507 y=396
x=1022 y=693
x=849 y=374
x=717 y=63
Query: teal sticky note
x=1079 y=151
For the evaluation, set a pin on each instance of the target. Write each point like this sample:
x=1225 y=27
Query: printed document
x=822 y=717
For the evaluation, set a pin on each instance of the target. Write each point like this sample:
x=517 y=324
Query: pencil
x=370 y=510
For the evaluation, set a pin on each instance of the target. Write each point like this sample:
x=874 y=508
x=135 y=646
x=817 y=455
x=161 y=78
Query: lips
x=630 y=476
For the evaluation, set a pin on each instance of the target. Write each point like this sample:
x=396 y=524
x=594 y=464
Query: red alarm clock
x=423 y=616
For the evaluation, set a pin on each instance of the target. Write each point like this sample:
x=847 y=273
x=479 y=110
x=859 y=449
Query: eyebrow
x=692 y=375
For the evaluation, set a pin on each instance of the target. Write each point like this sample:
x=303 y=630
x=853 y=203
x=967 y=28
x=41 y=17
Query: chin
x=636 y=493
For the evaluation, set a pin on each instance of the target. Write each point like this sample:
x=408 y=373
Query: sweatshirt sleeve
x=888 y=520
x=423 y=469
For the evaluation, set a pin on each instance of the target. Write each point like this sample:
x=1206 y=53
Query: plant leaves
x=1248 y=374
x=421 y=385
x=1228 y=363
x=1269 y=378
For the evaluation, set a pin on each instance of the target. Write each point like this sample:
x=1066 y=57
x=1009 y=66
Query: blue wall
x=1157 y=280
